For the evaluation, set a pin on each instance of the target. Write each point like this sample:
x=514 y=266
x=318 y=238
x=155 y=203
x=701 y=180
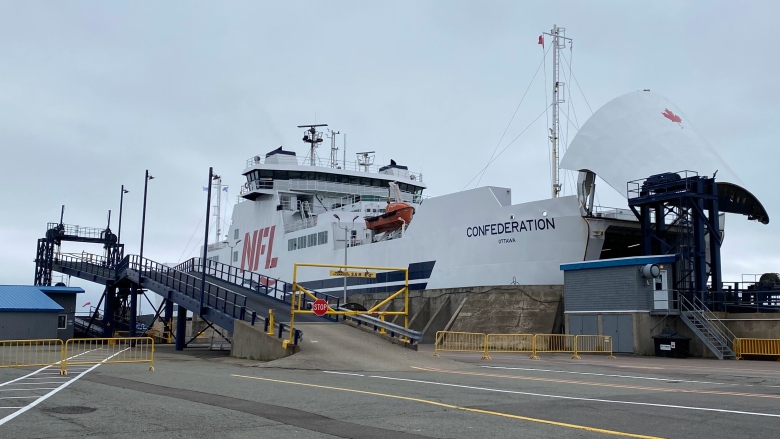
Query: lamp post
x=121 y=201
x=346 y=229
x=134 y=291
x=212 y=176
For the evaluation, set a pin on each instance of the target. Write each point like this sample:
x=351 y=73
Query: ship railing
x=325 y=163
x=72 y=230
x=269 y=286
x=332 y=187
x=613 y=213
x=300 y=224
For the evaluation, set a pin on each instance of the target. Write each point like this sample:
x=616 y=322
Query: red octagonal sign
x=320 y=307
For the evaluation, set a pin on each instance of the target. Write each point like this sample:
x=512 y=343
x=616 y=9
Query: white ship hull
x=463 y=239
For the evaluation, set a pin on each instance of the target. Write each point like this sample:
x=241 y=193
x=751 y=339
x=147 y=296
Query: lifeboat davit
x=395 y=216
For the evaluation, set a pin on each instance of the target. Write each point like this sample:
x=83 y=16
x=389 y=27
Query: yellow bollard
x=271 y=322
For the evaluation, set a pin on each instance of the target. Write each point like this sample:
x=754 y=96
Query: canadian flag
x=88 y=303
x=541 y=40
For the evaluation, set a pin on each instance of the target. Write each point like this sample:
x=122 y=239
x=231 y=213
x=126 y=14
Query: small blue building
x=37 y=312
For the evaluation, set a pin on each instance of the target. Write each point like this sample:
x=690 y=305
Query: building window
x=291 y=244
x=312 y=241
x=62 y=322
x=235 y=256
x=301 y=242
x=322 y=238
x=235 y=234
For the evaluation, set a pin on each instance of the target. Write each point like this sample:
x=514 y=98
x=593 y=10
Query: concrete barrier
x=253 y=343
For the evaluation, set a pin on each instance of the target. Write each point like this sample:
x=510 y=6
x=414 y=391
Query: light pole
x=346 y=229
x=134 y=291
x=212 y=176
x=121 y=201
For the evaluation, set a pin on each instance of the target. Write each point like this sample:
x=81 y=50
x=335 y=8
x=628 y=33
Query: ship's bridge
x=281 y=170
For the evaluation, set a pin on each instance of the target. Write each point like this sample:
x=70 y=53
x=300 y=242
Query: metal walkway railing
x=215 y=303
x=219 y=305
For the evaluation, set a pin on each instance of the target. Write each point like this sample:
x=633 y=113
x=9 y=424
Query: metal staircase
x=706 y=325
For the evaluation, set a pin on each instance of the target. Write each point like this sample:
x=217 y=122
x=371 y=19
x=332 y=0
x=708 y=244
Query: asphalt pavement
x=346 y=383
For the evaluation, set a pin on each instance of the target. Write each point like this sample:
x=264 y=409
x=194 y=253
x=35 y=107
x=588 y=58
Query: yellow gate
x=299 y=293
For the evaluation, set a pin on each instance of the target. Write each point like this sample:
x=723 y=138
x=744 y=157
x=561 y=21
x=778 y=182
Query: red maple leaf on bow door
x=671 y=116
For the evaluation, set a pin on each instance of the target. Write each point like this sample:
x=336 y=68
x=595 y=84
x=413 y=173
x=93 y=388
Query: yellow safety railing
x=23 y=353
x=510 y=342
x=756 y=346
x=299 y=293
x=552 y=343
x=107 y=350
x=592 y=344
x=461 y=342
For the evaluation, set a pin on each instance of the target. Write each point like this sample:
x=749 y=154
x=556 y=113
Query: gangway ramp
x=341 y=347
x=263 y=293
x=221 y=305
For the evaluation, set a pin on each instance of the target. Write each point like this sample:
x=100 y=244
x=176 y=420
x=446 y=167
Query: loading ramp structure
x=221 y=301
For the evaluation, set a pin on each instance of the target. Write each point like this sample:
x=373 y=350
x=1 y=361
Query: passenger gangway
x=226 y=298
x=263 y=293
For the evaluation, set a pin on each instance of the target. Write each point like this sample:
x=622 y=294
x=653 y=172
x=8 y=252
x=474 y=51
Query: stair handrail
x=256 y=281
x=170 y=274
x=701 y=313
x=720 y=327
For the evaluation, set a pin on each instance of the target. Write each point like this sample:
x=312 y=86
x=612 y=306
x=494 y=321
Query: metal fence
x=83 y=351
x=510 y=342
x=448 y=341
x=552 y=343
x=592 y=344
x=461 y=342
x=24 y=353
x=756 y=346
x=76 y=351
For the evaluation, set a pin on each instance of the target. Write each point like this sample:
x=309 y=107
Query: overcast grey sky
x=93 y=93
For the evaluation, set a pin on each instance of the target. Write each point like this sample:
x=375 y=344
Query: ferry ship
x=308 y=209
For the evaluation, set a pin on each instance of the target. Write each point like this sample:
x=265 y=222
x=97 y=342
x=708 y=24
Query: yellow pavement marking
x=591 y=383
x=455 y=407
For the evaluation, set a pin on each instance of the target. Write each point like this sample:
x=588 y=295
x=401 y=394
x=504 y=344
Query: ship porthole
x=544 y=213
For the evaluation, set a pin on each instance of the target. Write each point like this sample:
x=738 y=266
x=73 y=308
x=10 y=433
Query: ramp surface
x=339 y=347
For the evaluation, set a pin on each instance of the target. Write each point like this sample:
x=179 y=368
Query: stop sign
x=320 y=307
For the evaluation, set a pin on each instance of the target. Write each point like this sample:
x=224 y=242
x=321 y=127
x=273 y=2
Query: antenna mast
x=334 y=150
x=312 y=137
x=559 y=40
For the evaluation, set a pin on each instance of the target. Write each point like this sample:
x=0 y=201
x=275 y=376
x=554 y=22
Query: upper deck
x=282 y=170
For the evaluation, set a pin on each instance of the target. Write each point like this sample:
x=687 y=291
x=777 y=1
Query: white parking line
x=343 y=373
x=40 y=399
x=633 y=377
x=25 y=390
x=575 y=398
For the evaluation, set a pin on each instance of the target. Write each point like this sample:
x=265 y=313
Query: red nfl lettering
x=254 y=247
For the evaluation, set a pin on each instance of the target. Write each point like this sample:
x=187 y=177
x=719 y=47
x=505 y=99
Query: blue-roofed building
x=37 y=312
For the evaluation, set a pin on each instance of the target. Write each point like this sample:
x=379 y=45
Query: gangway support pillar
x=109 y=309
x=133 y=309
x=181 y=328
x=168 y=315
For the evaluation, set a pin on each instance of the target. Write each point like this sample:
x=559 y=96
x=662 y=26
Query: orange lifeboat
x=395 y=216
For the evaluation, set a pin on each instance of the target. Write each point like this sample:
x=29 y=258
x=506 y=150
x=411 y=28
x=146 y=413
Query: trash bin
x=671 y=345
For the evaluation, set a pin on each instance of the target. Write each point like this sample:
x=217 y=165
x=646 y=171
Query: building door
x=661 y=291
x=621 y=328
x=583 y=324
